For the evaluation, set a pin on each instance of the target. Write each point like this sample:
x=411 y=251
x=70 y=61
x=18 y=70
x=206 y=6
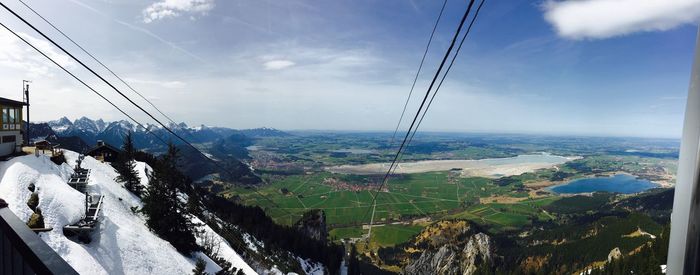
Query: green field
x=500 y=216
x=346 y=232
x=392 y=234
x=407 y=197
x=382 y=235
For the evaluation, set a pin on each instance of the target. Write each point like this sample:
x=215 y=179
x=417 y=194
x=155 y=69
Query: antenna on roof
x=25 y=99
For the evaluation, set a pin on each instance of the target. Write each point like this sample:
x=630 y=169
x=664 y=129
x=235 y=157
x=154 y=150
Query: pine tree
x=200 y=267
x=166 y=213
x=126 y=167
x=353 y=263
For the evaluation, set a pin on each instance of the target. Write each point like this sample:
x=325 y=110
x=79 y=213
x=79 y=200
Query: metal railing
x=23 y=252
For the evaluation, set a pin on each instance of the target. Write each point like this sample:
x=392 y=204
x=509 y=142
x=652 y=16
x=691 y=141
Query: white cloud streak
x=139 y=29
x=157 y=37
x=278 y=64
x=599 y=19
x=311 y=62
x=174 y=8
x=161 y=83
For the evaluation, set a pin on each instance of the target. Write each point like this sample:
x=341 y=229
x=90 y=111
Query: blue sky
x=528 y=66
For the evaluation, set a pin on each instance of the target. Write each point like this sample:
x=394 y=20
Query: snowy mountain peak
x=174 y=126
x=63 y=120
x=101 y=125
x=200 y=127
x=119 y=128
x=87 y=125
x=60 y=125
x=126 y=125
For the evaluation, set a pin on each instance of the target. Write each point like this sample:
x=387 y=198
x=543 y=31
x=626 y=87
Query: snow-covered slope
x=122 y=244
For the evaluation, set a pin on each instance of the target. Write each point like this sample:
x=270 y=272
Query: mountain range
x=227 y=147
x=150 y=136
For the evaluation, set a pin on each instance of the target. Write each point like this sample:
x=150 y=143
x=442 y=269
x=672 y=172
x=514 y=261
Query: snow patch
x=310 y=267
x=122 y=243
x=221 y=247
x=252 y=243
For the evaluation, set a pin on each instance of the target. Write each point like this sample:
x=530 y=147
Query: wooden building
x=45 y=145
x=12 y=130
x=104 y=152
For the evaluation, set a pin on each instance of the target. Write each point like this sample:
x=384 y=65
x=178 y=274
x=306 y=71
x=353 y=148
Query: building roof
x=103 y=146
x=10 y=102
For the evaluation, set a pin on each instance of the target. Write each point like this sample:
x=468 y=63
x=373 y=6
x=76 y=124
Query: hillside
x=444 y=247
x=123 y=244
x=39 y=131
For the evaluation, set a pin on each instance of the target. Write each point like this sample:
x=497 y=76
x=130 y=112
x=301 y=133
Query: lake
x=619 y=183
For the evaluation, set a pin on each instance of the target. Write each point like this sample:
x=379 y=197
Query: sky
x=587 y=67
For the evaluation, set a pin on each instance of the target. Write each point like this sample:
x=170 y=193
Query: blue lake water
x=619 y=183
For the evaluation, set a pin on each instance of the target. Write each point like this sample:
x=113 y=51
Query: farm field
x=405 y=197
x=499 y=217
x=382 y=235
x=392 y=234
x=346 y=232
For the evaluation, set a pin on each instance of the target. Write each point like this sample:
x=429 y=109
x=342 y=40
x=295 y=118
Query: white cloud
x=278 y=64
x=174 y=8
x=15 y=54
x=354 y=64
x=315 y=61
x=608 y=18
x=162 y=83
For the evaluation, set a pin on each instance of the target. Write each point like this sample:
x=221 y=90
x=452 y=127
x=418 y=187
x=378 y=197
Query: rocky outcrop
x=614 y=254
x=313 y=224
x=450 y=247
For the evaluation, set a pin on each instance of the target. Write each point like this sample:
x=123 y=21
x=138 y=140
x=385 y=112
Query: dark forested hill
x=228 y=169
x=38 y=131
